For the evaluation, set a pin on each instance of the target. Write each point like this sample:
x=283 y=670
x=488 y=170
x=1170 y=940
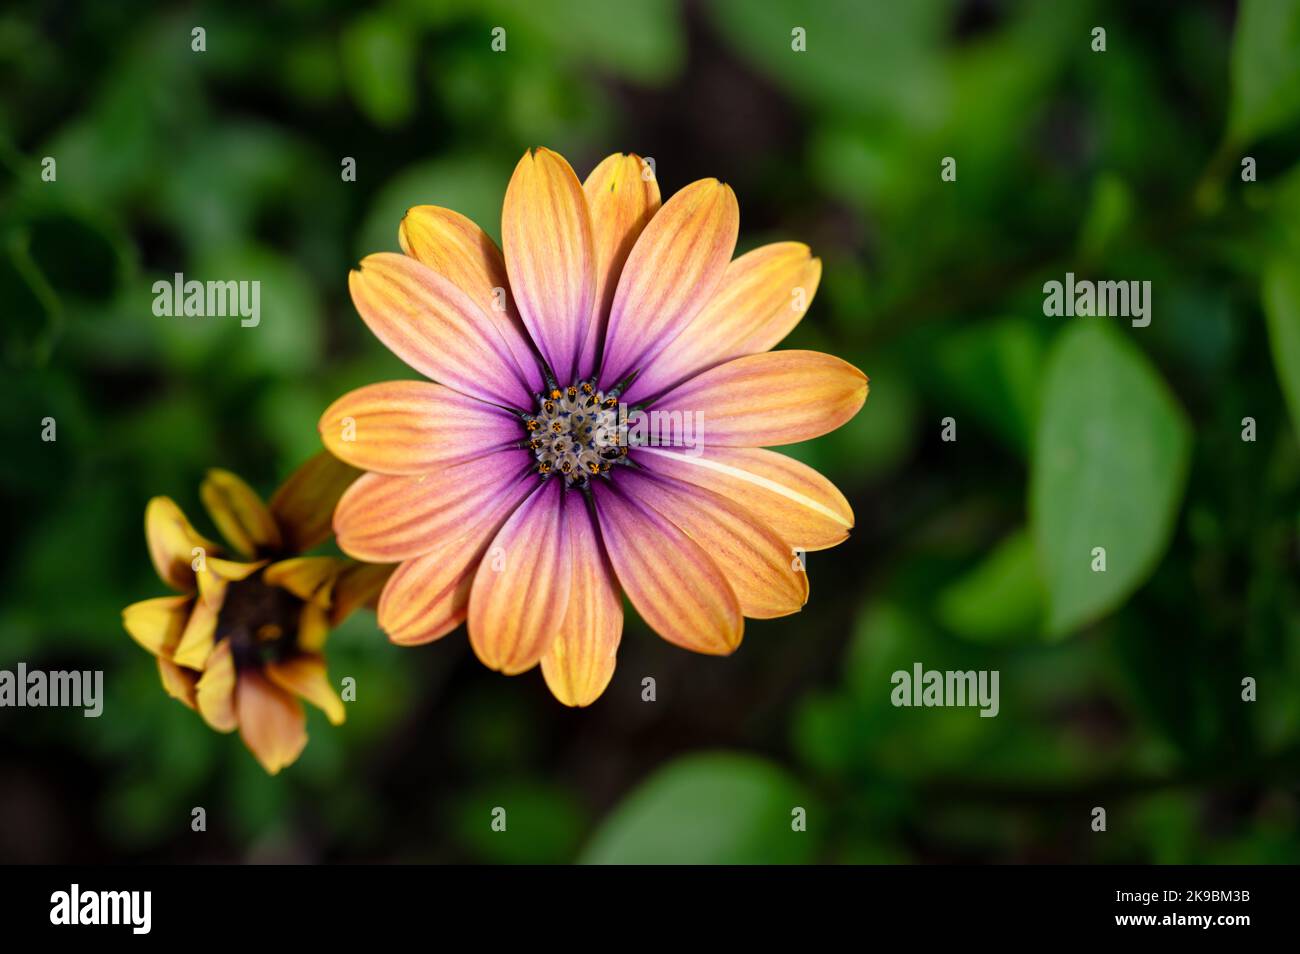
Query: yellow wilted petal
x=179 y=683
x=196 y=642
x=305 y=577
x=304 y=505
x=157 y=624
x=313 y=627
x=358 y=585
x=215 y=691
x=239 y=513
x=216 y=573
x=172 y=541
x=306 y=677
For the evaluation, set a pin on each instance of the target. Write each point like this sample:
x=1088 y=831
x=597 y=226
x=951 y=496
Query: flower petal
x=384 y=519
x=676 y=587
x=313 y=627
x=172 y=540
x=214 y=573
x=454 y=247
x=763 y=400
x=760 y=299
x=767 y=578
x=437 y=329
x=550 y=257
x=304 y=505
x=803 y=507
x=622 y=195
x=239 y=513
x=428 y=597
x=271 y=721
x=215 y=691
x=358 y=585
x=305 y=577
x=670 y=275
x=579 y=662
x=178 y=682
x=521 y=591
x=306 y=676
x=196 y=643
x=157 y=624
x=413 y=427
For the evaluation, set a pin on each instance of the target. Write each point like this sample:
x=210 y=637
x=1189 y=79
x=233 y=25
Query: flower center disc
x=575 y=432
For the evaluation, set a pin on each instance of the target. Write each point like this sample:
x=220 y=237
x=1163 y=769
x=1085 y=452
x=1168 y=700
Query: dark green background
x=1120 y=690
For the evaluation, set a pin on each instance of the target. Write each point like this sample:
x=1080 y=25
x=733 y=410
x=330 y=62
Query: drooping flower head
x=601 y=397
x=246 y=637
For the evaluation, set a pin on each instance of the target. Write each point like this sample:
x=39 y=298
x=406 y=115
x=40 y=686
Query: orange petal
x=178 y=682
x=767 y=578
x=437 y=329
x=384 y=519
x=622 y=196
x=463 y=253
x=550 y=256
x=579 y=662
x=215 y=692
x=239 y=513
x=358 y=585
x=670 y=275
x=426 y=598
x=304 y=505
x=271 y=721
x=172 y=542
x=157 y=624
x=760 y=299
x=306 y=676
x=413 y=427
x=763 y=400
x=803 y=507
x=676 y=587
x=521 y=590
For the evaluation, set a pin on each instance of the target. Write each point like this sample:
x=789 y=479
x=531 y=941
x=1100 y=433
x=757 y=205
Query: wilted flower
x=246 y=637
x=506 y=490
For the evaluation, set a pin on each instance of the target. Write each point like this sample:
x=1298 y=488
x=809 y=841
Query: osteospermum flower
x=246 y=636
x=507 y=490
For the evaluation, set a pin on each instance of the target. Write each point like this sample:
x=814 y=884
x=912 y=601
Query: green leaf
x=714 y=808
x=1265 y=68
x=1108 y=470
x=999 y=599
x=379 y=65
x=993 y=369
x=1282 y=309
x=859 y=58
x=637 y=39
x=543 y=824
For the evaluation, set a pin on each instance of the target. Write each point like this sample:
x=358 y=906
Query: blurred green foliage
x=1121 y=689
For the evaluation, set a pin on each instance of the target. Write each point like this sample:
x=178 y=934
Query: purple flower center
x=575 y=432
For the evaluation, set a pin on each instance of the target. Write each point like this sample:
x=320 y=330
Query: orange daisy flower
x=246 y=637
x=523 y=491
